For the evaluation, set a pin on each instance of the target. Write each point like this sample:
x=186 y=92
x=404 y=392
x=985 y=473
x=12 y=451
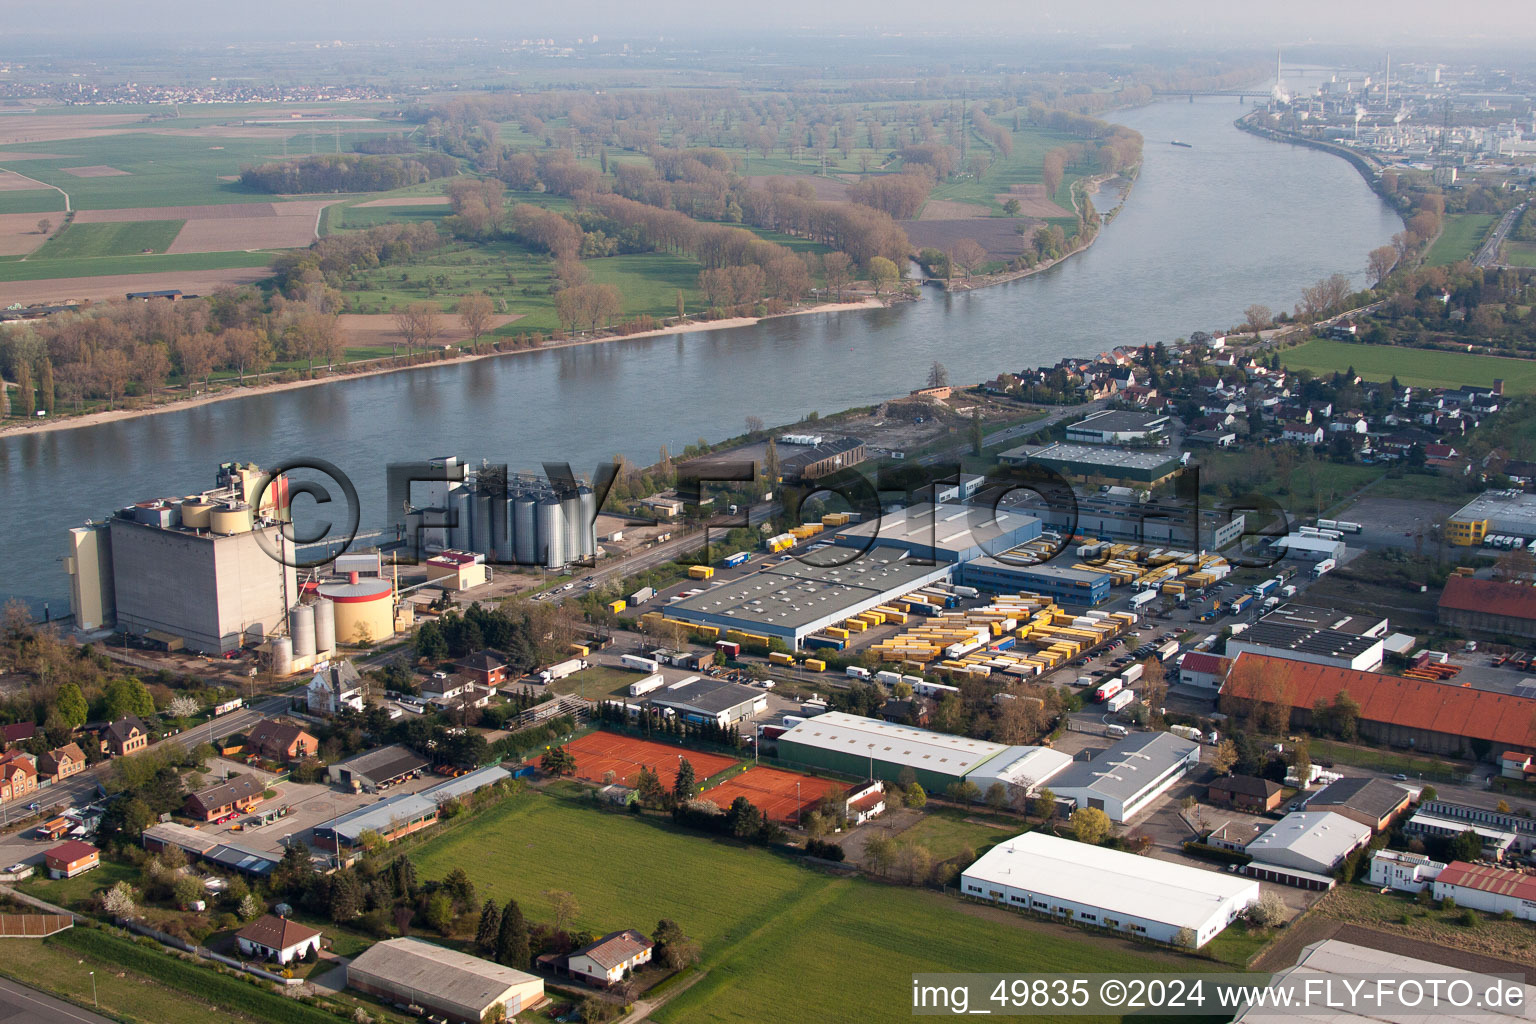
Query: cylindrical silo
x=463 y=517
x=480 y=525
x=570 y=511
x=301 y=627
x=282 y=656
x=525 y=530
x=586 y=525
x=325 y=625
x=196 y=512
x=501 y=528
x=230 y=519
x=551 y=542
x=365 y=609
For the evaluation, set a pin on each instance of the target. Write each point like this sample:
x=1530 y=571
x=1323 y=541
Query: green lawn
x=946 y=832
x=1459 y=240
x=1023 y=166
x=129 y=239
x=1387 y=761
x=148 y=263
x=1520 y=254
x=75 y=893
x=1423 y=367
x=597 y=681
x=781 y=943
x=44 y=200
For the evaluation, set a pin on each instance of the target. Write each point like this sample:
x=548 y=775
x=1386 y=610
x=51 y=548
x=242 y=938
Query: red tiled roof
x=1514 y=755
x=616 y=948
x=68 y=853
x=1491 y=597
x=276 y=932
x=1411 y=703
x=1199 y=661
x=1485 y=877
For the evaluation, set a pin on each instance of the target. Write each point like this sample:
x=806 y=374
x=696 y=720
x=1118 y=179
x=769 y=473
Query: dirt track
x=95 y=171
x=369 y=330
x=406 y=201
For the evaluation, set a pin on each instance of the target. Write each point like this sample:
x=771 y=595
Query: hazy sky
x=1277 y=21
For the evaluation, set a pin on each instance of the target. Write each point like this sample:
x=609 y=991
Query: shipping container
x=642 y=595
x=639 y=663
x=731 y=648
x=640 y=687
x=821 y=642
x=700 y=572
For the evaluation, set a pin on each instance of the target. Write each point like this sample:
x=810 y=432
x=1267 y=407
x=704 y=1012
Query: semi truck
x=1132 y=674
x=640 y=687
x=1264 y=589
x=1108 y=689
x=1189 y=732
x=1143 y=599
x=739 y=558
x=855 y=672
x=1120 y=700
x=639 y=663
x=1325 y=566
x=1240 y=604
x=1168 y=650
x=561 y=669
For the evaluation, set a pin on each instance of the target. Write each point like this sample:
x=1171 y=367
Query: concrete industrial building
x=1493 y=514
x=1078 y=588
x=1371 y=802
x=1118 y=426
x=822 y=459
x=942 y=533
x=792 y=600
x=1021 y=769
x=1497 y=840
x=443 y=982
x=712 y=701
x=1091 y=885
x=1097 y=463
x=1494 y=607
x=1129 y=775
x=1315 y=646
x=1119 y=514
x=1430 y=717
x=1308 y=548
x=1303 y=847
x=1406 y=872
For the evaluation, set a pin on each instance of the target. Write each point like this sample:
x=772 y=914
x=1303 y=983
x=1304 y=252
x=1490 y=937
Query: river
x=1207 y=231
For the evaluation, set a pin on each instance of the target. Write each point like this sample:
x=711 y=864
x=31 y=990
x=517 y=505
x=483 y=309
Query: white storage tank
x=570 y=511
x=282 y=656
x=325 y=625
x=551 y=527
x=480 y=524
x=525 y=531
x=586 y=526
x=301 y=627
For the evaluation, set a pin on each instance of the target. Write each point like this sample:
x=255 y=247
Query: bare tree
x=1379 y=263
x=1258 y=318
x=44 y=226
x=938 y=376
x=837 y=267
x=754 y=424
x=475 y=316
x=420 y=323
x=968 y=255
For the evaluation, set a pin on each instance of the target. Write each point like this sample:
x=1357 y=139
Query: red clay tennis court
x=773 y=791
x=599 y=753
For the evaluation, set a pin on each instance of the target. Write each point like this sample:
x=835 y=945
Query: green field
x=80 y=241
x=151 y=263
x=1459 y=240
x=946 y=832
x=781 y=943
x=42 y=200
x=1520 y=254
x=1421 y=367
x=1021 y=167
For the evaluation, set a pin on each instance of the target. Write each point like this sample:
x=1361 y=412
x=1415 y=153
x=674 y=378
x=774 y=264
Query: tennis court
x=599 y=753
x=778 y=794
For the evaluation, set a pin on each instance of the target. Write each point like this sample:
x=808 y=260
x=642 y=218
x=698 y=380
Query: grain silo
x=501 y=529
x=570 y=512
x=301 y=627
x=196 y=512
x=365 y=608
x=550 y=546
x=525 y=530
x=586 y=525
x=282 y=656
x=461 y=515
x=480 y=525
x=231 y=518
x=325 y=625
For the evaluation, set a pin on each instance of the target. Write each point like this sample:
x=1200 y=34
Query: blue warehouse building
x=1068 y=587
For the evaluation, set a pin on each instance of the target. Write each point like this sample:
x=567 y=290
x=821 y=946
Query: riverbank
x=373 y=368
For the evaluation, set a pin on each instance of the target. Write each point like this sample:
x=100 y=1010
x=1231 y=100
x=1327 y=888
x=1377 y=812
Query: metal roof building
x=1308 y=841
x=1129 y=775
x=710 y=700
x=1077 y=587
x=1097 y=461
x=868 y=747
x=1117 y=891
x=1021 y=769
x=1111 y=426
x=1317 y=646
x=401 y=815
x=943 y=533
x=205 y=847
x=374 y=768
x=792 y=600
x=441 y=981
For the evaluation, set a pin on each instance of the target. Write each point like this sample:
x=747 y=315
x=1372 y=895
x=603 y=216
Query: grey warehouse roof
x=793 y=593
x=945 y=532
x=444 y=975
x=1128 y=767
x=709 y=696
x=892 y=743
x=388 y=762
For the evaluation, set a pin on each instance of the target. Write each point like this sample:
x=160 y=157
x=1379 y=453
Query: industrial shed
x=1371 y=802
x=442 y=982
x=1305 y=845
x=865 y=747
x=1489 y=606
x=943 y=533
x=1078 y=588
x=714 y=701
x=373 y=769
x=1108 y=889
x=1129 y=775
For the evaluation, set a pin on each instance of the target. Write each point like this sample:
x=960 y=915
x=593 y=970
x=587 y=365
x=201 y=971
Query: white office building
x=1109 y=889
x=1408 y=872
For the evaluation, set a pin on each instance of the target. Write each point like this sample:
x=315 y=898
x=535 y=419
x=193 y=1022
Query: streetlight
x=93 y=990
x=797 y=805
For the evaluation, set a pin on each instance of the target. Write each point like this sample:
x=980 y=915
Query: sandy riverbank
x=93 y=419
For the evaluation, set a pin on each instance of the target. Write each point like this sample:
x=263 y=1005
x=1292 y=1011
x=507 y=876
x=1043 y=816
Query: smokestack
x=351 y=577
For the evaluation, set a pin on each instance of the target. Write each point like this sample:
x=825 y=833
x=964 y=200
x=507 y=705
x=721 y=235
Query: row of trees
x=346 y=172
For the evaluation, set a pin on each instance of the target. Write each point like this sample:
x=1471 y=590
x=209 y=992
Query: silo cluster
x=523 y=520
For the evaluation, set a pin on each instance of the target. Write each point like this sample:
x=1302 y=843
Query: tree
x=963 y=792
x=1468 y=846
x=685 y=783
x=250 y=907
x=26 y=397
x=754 y=424
x=489 y=927
x=460 y=889
x=997 y=796
x=1258 y=318
x=70 y=705
x=564 y=907
x=558 y=761
x=1379 y=263
x=245 y=351
x=674 y=949
x=649 y=790
x=1043 y=806
x=512 y=948
x=347 y=897
x=47 y=393
x=183 y=705
x=315 y=336
x=1012 y=208
x=475 y=316
x=938 y=376
x=917 y=797
x=198 y=353
x=439 y=913
x=977 y=440
x=119 y=901
x=837 y=266
x=111 y=372
x=1269 y=911
x=419 y=323
x=1090 y=825
x=968 y=255
x=1185 y=938
x=44 y=226
x=1224 y=757
x=883 y=275
x=1346 y=715
x=127 y=696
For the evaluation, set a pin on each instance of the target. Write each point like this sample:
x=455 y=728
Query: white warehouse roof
x=896 y=744
x=1025 y=767
x=1119 y=883
x=1309 y=840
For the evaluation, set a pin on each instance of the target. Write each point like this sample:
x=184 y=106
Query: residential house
x=270 y=937
x=1245 y=793
x=70 y=859
x=281 y=741
x=1302 y=433
x=62 y=762
x=232 y=796
x=18 y=775
x=484 y=668
x=127 y=735
x=445 y=686
x=335 y=687
x=17 y=732
x=607 y=961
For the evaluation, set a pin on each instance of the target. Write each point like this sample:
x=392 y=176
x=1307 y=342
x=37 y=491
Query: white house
x=1306 y=433
x=1108 y=889
x=1410 y=872
x=277 y=938
x=608 y=959
x=335 y=686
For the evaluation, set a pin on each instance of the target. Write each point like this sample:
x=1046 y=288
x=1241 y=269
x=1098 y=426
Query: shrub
x=1469 y=918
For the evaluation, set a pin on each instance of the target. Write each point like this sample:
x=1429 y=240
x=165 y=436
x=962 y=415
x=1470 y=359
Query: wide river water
x=1207 y=231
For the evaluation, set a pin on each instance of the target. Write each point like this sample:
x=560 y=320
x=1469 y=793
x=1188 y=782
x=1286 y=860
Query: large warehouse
x=1302 y=847
x=1129 y=775
x=1489 y=606
x=443 y=982
x=1493 y=514
x=943 y=533
x=792 y=600
x=1079 y=588
x=1317 y=646
x=853 y=745
x=1117 y=426
x=1097 y=462
x=1085 y=884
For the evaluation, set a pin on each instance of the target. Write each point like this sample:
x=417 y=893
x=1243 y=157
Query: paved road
x=21 y=1003
x=1016 y=432
x=1488 y=255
